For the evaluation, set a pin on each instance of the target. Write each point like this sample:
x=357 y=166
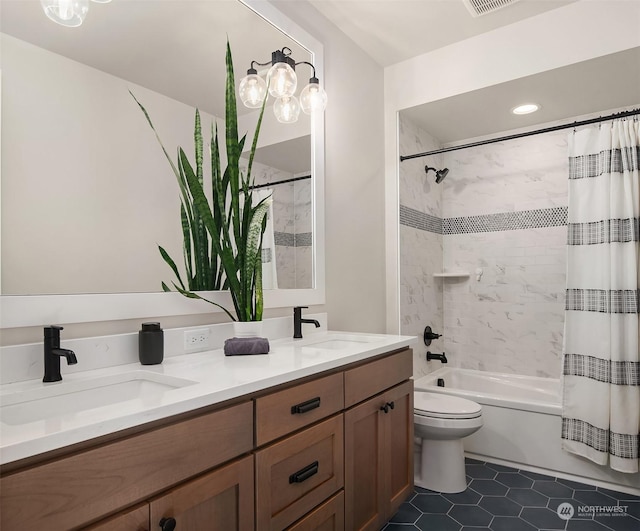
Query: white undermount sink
x=343 y=341
x=65 y=398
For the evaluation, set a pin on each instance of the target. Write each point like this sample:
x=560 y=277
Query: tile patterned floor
x=507 y=499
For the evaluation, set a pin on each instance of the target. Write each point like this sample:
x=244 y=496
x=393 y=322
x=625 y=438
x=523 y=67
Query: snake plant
x=222 y=238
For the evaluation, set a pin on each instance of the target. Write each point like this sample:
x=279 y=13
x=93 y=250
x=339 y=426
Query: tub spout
x=434 y=356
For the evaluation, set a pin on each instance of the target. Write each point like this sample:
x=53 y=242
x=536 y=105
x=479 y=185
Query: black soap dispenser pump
x=151 y=344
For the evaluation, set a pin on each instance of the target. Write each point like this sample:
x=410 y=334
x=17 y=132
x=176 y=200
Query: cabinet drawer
x=71 y=491
x=291 y=409
x=367 y=380
x=296 y=474
x=328 y=517
x=132 y=520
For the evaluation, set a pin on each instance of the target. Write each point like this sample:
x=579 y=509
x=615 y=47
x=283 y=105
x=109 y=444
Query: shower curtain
x=601 y=362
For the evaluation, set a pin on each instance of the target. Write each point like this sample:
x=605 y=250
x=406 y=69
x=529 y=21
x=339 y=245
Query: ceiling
x=563 y=94
x=392 y=31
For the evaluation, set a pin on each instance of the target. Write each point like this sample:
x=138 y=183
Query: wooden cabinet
x=221 y=500
x=136 y=519
x=298 y=473
x=84 y=486
x=285 y=411
x=326 y=454
x=327 y=517
x=378 y=446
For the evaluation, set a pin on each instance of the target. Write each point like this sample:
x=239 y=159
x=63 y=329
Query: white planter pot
x=247 y=328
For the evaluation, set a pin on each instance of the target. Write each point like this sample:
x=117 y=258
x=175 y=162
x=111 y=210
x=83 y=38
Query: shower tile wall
x=293 y=225
x=420 y=240
x=502 y=208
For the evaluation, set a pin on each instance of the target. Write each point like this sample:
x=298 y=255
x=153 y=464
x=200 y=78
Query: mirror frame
x=36 y=310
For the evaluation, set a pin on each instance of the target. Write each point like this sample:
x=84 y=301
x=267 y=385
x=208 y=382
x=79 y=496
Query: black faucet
x=53 y=353
x=434 y=356
x=298 y=320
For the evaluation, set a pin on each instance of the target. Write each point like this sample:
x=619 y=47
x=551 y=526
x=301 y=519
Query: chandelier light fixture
x=281 y=82
x=70 y=13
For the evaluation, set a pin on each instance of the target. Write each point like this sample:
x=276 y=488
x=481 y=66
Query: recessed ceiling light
x=526 y=108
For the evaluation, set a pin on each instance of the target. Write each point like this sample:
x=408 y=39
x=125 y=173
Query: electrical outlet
x=196 y=339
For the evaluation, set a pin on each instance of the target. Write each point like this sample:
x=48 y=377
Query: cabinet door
x=221 y=500
x=364 y=474
x=399 y=446
x=378 y=457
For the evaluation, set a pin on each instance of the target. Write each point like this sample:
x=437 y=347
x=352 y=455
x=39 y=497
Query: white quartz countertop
x=210 y=378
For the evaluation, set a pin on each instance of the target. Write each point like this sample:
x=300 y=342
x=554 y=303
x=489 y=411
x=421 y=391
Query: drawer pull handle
x=304 y=474
x=306 y=406
x=387 y=407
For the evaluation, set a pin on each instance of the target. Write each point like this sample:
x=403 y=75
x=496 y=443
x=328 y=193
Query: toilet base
x=440 y=466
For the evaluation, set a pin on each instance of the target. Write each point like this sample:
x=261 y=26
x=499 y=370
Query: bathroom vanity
x=318 y=436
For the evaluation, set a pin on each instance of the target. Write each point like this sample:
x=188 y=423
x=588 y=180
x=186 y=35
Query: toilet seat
x=441 y=406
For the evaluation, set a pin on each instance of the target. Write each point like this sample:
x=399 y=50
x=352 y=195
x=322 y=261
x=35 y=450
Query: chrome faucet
x=53 y=353
x=434 y=356
x=298 y=320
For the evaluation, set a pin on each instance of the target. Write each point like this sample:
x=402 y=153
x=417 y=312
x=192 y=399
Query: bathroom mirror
x=79 y=231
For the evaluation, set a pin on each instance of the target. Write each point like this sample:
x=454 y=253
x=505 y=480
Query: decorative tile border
x=419 y=220
x=289 y=239
x=502 y=221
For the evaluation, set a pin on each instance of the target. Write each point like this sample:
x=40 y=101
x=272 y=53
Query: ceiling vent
x=483 y=7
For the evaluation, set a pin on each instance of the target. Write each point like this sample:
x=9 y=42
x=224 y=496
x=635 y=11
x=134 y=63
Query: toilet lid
x=445 y=406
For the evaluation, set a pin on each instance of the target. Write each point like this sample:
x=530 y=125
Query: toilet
x=440 y=422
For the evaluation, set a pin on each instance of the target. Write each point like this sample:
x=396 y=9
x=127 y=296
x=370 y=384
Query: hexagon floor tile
x=506 y=499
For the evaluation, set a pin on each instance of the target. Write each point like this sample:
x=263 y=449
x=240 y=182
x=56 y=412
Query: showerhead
x=440 y=174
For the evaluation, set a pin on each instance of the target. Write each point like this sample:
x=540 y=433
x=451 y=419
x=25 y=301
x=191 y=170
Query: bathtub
x=521 y=425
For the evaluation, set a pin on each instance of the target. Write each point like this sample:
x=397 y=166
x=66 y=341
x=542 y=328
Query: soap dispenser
x=151 y=344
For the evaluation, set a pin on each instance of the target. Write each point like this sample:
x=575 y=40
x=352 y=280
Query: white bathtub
x=522 y=425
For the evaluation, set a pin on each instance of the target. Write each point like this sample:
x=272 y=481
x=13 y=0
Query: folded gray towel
x=238 y=346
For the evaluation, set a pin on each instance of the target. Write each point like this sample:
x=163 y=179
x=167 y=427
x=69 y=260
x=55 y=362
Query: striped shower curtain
x=601 y=362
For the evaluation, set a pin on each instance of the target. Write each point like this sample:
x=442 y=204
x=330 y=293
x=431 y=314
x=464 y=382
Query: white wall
x=354 y=176
x=574 y=33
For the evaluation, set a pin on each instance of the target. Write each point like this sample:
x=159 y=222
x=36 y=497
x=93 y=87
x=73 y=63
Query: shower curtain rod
x=622 y=114
x=275 y=183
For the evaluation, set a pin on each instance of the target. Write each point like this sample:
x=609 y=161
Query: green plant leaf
x=222 y=240
x=171 y=264
x=192 y=295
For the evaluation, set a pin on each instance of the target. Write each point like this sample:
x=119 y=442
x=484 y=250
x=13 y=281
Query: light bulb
x=69 y=13
x=313 y=97
x=252 y=90
x=286 y=109
x=282 y=80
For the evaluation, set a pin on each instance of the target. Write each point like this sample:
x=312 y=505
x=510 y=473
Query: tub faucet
x=53 y=353
x=298 y=320
x=434 y=356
